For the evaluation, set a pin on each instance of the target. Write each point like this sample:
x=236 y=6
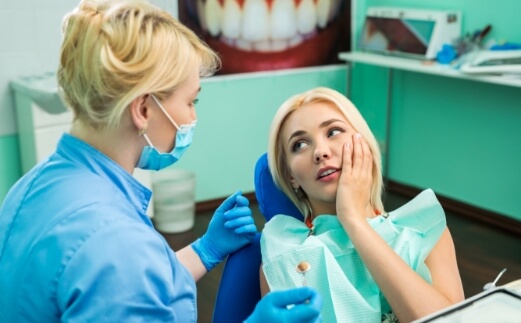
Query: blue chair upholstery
x=239 y=288
x=270 y=198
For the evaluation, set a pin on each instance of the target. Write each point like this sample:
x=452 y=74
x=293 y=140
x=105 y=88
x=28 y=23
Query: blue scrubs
x=77 y=245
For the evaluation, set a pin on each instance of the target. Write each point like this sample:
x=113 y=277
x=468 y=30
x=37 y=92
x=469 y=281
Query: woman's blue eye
x=334 y=131
x=194 y=102
x=297 y=146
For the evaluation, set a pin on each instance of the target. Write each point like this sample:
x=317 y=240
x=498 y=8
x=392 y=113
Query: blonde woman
x=76 y=243
x=369 y=265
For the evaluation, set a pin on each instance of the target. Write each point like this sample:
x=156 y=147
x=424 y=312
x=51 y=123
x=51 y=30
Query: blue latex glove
x=446 y=55
x=231 y=228
x=301 y=305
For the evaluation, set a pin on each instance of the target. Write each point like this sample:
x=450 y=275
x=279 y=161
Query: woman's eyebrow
x=330 y=121
x=322 y=125
x=296 y=134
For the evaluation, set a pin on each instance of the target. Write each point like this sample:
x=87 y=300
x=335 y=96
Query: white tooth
x=256 y=17
x=335 y=9
x=307 y=19
x=283 y=19
x=323 y=9
x=228 y=41
x=231 y=19
x=310 y=35
x=213 y=16
x=327 y=172
x=201 y=14
x=279 y=45
x=244 y=45
x=295 y=41
x=262 y=46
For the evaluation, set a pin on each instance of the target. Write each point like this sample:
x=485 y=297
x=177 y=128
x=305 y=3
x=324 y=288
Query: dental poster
x=264 y=35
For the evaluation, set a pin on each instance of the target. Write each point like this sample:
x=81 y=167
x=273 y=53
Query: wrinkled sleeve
x=120 y=273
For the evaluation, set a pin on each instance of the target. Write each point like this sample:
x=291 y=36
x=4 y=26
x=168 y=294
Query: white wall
x=30 y=39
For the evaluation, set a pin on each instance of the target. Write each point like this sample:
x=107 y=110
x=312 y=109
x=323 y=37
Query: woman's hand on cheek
x=354 y=187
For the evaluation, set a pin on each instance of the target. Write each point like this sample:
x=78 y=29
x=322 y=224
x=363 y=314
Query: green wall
x=234 y=114
x=10 y=169
x=461 y=138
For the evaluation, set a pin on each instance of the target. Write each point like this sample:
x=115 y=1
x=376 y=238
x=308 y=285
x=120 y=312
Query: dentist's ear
x=139 y=112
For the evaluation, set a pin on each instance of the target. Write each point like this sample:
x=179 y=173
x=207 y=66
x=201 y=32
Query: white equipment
x=410 y=32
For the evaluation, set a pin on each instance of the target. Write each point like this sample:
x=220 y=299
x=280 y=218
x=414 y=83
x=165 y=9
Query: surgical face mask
x=152 y=159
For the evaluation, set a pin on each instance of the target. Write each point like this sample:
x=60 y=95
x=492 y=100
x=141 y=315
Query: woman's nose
x=321 y=152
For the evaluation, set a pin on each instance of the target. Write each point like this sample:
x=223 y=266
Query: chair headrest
x=270 y=198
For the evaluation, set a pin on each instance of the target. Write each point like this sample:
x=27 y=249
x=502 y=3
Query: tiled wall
x=30 y=39
x=30 y=36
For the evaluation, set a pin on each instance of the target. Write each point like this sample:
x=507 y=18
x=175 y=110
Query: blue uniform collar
x=79 y=152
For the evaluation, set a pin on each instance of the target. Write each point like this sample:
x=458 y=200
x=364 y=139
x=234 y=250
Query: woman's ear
x=139 y=113
x=294 y=184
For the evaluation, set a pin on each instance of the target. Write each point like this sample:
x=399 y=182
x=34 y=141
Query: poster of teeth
x=264 y=35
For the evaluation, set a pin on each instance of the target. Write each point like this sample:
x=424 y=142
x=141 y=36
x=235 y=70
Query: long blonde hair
x=113 y=51
x=277 y=156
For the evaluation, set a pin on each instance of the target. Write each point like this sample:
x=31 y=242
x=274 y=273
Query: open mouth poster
x=264 y=35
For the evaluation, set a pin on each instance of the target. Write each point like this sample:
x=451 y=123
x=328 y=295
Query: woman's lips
x=259 y=35
x=331 y=177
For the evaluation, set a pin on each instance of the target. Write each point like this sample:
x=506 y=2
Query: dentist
x=75 y=241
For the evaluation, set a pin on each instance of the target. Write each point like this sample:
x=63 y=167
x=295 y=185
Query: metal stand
x=388 y=126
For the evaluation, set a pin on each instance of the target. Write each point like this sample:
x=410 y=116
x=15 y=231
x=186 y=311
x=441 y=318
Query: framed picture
x=264 y=35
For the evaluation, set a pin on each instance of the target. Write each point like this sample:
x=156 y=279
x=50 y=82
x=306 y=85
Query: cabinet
x=414 y=66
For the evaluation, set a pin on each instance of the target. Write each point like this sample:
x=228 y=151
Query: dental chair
x=239 y=289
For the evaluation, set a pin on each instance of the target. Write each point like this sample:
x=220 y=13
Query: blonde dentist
x=75 y=242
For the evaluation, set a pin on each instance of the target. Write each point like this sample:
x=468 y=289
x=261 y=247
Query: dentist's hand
x=304 y=307
x=231 y=228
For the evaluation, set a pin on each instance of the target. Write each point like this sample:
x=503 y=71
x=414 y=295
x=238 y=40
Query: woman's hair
x=277 y=155
x=114 y=51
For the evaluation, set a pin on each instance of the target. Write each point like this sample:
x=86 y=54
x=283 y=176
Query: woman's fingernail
x=357 y=135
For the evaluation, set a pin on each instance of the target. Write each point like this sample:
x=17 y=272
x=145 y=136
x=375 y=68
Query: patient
x=369 y=265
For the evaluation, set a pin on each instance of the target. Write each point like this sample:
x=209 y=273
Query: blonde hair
x=277 y=155
x=114 y=51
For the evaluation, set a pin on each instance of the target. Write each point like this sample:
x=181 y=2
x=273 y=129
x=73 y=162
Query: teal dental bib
x=337 y=272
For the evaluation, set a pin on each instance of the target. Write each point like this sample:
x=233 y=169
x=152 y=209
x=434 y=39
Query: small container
x=174 y=200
